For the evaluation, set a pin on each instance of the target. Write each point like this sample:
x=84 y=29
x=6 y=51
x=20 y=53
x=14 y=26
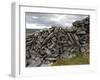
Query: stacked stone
x=46 y=46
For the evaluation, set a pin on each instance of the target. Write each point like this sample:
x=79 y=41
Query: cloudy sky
x=44 y=20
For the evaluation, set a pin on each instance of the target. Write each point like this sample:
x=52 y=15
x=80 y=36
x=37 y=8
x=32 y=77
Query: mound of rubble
x=46 y=46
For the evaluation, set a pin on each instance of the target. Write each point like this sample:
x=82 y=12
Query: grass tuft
x=79 y=59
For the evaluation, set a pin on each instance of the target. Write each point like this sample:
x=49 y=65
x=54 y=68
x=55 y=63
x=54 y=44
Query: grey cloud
x=46 y=19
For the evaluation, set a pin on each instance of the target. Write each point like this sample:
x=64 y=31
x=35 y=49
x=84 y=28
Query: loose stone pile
x=46 y=46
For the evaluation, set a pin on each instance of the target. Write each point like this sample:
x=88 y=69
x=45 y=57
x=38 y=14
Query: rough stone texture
x=46 y=46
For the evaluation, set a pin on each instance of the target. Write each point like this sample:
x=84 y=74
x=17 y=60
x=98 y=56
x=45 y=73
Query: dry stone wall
x=46 y=46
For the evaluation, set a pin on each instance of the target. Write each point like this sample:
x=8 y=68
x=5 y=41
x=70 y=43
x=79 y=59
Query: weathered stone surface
x=46 y=46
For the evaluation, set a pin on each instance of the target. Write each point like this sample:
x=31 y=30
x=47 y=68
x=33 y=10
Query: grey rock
x=64 y=55
x=46 y=46
x=81 y=32
x=51 y=59
x=48 y=51
x=71 y=56
x=83 y=49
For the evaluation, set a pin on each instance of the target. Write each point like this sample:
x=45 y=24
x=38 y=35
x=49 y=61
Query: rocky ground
x=44 y=47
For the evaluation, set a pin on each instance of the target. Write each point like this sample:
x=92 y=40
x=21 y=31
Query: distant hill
x=29 y=31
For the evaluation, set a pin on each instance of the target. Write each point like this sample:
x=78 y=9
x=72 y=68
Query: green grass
x=77 y=60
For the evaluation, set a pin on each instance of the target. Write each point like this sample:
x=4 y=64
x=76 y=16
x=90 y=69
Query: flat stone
x=51 y=59
x=81 y=32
